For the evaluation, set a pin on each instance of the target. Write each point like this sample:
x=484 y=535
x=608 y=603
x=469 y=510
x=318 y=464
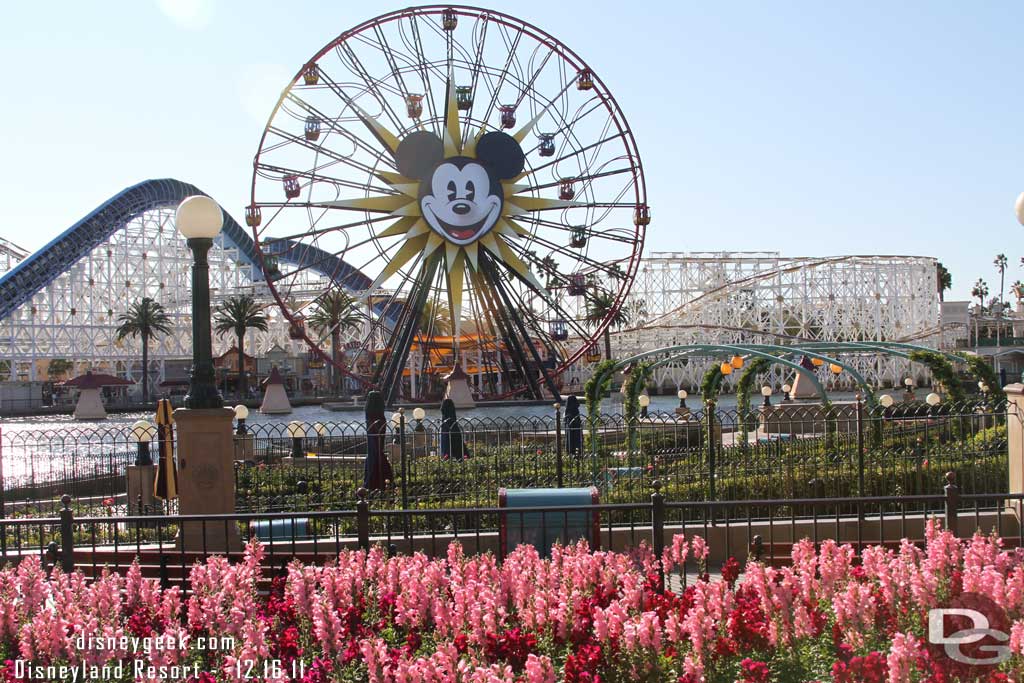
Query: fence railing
x=793 y=451
x=758 y=529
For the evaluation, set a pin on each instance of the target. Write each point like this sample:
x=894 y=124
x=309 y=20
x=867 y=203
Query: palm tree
x=550 y=267
x=335 y=310
x=145 y=319
x=944 y=279
x=599 y=308
x=1000 y=264
x=980 y=291
x=435 y=319
x=238 y=314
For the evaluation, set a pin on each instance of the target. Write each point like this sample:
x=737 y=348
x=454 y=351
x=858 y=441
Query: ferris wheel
x=468 y=183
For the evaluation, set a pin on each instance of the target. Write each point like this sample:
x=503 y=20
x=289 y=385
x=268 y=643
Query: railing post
x=709 y=408
x=402 y=454
x=559 y=474
x=363 y=518
x=67 y=535
x=658 y=530
x=952 y=492
x=860 y=446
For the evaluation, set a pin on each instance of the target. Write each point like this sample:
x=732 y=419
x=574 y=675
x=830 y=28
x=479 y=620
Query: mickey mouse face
x=461 y=202
x=461 y=198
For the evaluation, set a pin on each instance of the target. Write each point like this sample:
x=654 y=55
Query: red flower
x=320 y=670
x=108 y=502
x=731 y=571
x=512 y=646
x=461 y=642
x=413 y=642
x=868 y=669
x=582 y=666
x=754 y=671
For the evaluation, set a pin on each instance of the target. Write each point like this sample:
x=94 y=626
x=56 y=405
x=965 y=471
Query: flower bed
x=579 y=617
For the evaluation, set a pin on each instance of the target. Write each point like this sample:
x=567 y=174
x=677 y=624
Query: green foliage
x=335 y=311
x=635 y=383
x=58 y=367
x=942 y=372
x=145 y=319
x=594 y=390
x=236 y=314
x=711 y=382
x=750 y=374
x=981 y=371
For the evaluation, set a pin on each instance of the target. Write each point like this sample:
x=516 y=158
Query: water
x=312 y=414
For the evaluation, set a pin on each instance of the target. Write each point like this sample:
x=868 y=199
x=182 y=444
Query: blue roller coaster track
x=41 y=268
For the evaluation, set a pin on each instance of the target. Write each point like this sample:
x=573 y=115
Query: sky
x=806 y=128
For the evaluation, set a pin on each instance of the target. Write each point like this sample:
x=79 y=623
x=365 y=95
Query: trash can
x=544 y=529
x=270 y=530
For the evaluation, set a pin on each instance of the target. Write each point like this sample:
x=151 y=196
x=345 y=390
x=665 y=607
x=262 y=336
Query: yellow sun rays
x=421 y=241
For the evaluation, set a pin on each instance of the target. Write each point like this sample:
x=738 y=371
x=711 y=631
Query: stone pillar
x=206 y=477
x=140 y=483
x=1015 y=441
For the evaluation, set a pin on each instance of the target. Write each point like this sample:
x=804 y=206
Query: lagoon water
x=312 y=414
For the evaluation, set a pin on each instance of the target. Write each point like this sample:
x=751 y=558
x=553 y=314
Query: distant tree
x=550 y=267
x=1000 y=263
x=58 y=367
x=237 y=314
x=146 y=318
x=435 y=319
x=599 y=308
x=1018 y=289
x=335 y=310
x=944 y=280
x=980 y=291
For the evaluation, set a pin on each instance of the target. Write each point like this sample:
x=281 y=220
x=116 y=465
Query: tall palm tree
x=145 y=319
x=944 y=280
x=599 y=308
x=238 y=314
x=335 y=310
x=1000 y=264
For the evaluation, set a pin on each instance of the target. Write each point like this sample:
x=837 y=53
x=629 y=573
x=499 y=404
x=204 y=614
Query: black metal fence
x=761 y=529
x=786 y=451
x=796 y=452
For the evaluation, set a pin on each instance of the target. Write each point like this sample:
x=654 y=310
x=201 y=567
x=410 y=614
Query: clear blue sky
x=805 y=127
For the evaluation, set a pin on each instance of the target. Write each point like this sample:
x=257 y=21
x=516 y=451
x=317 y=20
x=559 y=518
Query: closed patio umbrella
x=452 y=445
x=573 y=427
x=165 y=486
x=376 y=468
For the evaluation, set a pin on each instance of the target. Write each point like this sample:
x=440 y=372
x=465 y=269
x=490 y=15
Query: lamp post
x=785 y=392
x=644 y=400
x=241 y=413
x=199 y=219
x=766 y=391
x=297 y=431
x=142 y=433
x=682 y=397
x=321 y=429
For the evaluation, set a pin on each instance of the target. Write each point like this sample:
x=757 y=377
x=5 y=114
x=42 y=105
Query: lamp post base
x=206 y=478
